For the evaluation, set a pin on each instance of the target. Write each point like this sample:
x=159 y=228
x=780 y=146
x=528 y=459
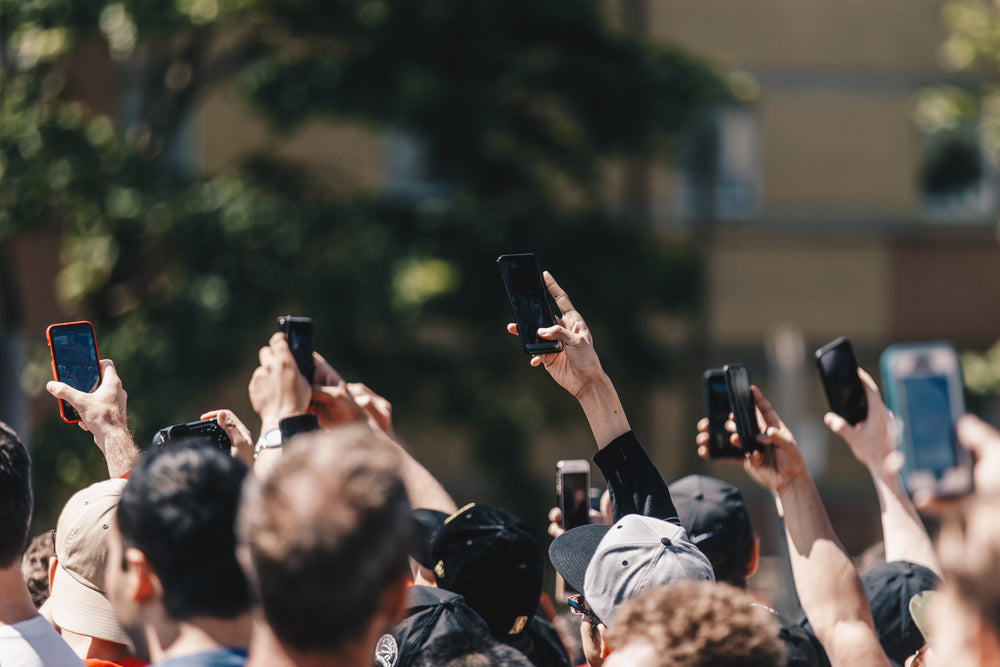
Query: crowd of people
x=337 y=547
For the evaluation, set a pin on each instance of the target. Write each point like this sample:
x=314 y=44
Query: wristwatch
x=268 y=440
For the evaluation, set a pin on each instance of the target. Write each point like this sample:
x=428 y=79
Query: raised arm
x=577 y=369
x=872 y=442
x=104 y=414
x=827 y=584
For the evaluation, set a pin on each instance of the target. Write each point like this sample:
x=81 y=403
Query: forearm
x=634 y=484
x=604 y=411
x=119 y=450
x=827 y=584
x=422 y=488
x=902 y=530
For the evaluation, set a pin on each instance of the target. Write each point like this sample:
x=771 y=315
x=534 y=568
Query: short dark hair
x=179 y=508
x=15 y=496
x=329 y=530
x=469 y=649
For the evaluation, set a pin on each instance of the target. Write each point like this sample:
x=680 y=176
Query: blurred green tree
x=515 y=109
x=969 y=116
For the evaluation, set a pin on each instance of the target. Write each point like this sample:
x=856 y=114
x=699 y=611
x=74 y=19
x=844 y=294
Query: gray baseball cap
x=612 y=564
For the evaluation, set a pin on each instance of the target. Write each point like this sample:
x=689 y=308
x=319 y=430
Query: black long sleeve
x=634 y=483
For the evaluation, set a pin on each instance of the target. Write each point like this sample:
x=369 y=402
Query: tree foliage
x=518 y=107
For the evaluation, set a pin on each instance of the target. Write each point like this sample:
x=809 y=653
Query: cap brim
x=83 y=610
x=571 y=552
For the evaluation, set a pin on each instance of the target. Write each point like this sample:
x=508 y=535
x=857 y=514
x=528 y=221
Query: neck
x=15 y=600
x=93 y=647
x=196 y=635
x=269 y=651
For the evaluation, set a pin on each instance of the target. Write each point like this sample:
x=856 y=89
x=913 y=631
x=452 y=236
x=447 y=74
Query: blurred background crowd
x=711 y=181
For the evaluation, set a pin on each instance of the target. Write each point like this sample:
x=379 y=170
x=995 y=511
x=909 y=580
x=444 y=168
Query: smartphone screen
x=838 y=370
x=923 y=385
x=573 y=487
x=717 y=409
x=74 y=360
x=299 y=332
x=529 y=300
x=744 y=407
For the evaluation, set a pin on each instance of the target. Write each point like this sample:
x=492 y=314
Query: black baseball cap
x=426 y=525
x=715 y=517
x=489 y=557
x=430 y=613
x=890 y=587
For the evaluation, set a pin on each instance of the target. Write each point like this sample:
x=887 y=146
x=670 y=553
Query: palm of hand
x=578 y=361
x=778 y=460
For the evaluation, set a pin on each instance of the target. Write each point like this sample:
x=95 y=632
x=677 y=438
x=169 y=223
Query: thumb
x=976 y=435
x=62 y=391
x=835 y=422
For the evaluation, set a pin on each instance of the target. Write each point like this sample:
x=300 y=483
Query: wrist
x=794 y=484
x=596 y=389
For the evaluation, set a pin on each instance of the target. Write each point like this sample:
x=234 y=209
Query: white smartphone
x=573 y=488
x=923 y=387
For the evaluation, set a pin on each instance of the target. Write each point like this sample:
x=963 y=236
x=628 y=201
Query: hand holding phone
x=299 y=332
x=717 y=410
x=529 y=301
x=923 y=385
x=838 y=370
x=75 y=362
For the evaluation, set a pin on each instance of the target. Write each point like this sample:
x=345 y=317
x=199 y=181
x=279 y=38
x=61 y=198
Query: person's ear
x=605 y=647
x=53 y=563
x=141 y=579
x=754 y=561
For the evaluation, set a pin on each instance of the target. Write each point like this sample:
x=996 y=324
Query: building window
x=957 y=180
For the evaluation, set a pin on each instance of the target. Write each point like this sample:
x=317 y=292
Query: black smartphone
x=292 y=426
x=838 y=370
x=206 y=432
x=299 y=332
x=573 y=488
x=744 y=407
x=529 y=300
x=73 y=346
x=923 y=388
x=717 y=409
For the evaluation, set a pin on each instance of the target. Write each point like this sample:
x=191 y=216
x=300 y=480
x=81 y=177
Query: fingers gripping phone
x=206 y=432
x=529 y=300
x=743 y=404
x=923 y=386
x=717 y=409
x=73 y=346
x=573 y=488
x=299 y=332
x=838 y=370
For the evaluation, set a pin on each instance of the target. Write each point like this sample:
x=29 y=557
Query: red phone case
x=55 y=376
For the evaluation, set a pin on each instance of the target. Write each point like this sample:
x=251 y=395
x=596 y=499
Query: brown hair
x=328 y=530
x=699 y=624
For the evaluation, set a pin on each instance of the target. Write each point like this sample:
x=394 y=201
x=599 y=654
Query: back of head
x=469 y=649
x=969 y=548
x=79 y=601
x=717 y=521
x=15 y=496
x=488 y=557
x=328 y=530
x=179 y=508
x=35 y=567
x=695 y=624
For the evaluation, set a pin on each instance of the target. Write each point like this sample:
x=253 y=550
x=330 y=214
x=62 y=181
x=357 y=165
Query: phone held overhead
x=923 y=387
x=529 y=300
x=743 y=404
x=838 y=371
x=73 y=346
x=573 y=489
x=299 y=332
x=717 y=409
x=205 y=432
